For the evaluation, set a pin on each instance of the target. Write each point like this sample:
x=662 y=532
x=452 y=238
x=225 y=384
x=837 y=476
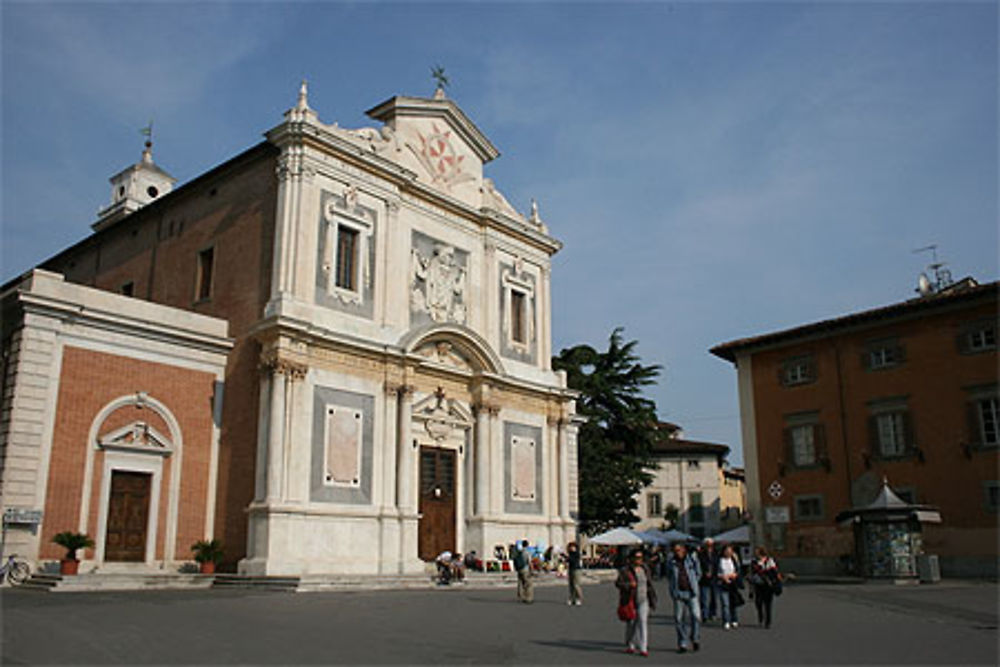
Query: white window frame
x=891 y=429
x=978 y=338
x=799 y=444
x=329 y=410
x=654 y=498
x=988 y=410
x=511 y=282
x=335 y=219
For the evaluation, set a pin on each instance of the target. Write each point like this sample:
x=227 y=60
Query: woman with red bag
x=636 y=598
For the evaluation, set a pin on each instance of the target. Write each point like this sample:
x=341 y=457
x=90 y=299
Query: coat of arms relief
x=438 y=284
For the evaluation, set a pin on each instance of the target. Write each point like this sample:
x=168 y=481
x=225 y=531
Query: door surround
x=142 y=459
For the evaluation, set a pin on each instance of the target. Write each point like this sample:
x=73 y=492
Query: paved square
x=814 y=624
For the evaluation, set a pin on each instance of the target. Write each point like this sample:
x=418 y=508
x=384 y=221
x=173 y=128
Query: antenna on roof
x=942 y=276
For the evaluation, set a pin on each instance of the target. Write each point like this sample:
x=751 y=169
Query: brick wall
x=932 y=380
x=88 y=382
x=230 y=209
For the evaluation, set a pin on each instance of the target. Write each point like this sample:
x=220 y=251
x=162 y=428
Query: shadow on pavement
x=584 y=645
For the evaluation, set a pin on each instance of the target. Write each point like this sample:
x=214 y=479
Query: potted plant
x=208 y=553
x=71 y=541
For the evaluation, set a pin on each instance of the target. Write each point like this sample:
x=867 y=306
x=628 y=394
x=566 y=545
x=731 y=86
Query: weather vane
x=148 y=133
x=437 y=73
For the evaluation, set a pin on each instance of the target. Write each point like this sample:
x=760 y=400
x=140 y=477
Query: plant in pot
x=208 y=554
x=71 y=541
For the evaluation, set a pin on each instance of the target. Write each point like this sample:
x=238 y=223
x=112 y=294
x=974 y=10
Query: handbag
x=737 y=598
x=626 y=612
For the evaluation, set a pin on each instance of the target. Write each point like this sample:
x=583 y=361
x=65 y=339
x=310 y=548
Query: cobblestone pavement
x=814 y=624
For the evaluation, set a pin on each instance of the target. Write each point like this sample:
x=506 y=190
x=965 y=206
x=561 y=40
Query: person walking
x=683 y=575
x=708 y=587
x=635 y=588
x=766 y=581
x=728 y=577
x=575 y=574
x=522 y=563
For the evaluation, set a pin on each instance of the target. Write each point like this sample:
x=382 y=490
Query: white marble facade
x=407 y=400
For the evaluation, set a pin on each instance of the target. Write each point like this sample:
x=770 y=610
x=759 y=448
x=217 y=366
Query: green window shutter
x=909 y=435
x=975 y=429
x=963 y=341
x=873 y=442
x=899 y=353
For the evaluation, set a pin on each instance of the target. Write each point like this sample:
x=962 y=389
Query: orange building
x=907 y=392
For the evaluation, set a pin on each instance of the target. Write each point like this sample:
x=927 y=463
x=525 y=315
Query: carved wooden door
x=437 y=502
x=128 y=515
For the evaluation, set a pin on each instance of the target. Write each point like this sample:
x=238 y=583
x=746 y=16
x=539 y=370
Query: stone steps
x=105 y=581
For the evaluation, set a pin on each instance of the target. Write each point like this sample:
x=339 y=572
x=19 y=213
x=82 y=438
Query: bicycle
x=15 y=571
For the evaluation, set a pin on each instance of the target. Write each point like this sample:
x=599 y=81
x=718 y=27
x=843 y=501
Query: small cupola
x=135 y=186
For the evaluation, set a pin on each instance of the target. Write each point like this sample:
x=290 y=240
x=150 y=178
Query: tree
x=616 y=442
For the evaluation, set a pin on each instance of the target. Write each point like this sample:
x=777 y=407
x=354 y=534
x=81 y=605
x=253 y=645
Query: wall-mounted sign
x=777 y=514
x=776 y=489
x=22 y=515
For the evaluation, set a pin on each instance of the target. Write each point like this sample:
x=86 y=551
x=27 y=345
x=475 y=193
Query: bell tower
x=135 y=186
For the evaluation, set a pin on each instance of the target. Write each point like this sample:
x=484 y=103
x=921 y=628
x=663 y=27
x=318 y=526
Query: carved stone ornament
x=438 y=156
x=442 y=352
x=272 y=363
x=438 y=285
x=441 y=417
x=137 y=436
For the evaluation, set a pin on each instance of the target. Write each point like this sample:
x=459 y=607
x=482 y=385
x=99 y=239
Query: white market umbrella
x=616 y=537
x=739 y=534
x=674 y=535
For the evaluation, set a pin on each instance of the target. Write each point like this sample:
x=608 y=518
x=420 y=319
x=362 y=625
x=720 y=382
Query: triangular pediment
x=399 y=111
x=137 y=436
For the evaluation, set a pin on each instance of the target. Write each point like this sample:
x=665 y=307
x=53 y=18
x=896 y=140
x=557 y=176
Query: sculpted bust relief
x=438 y=285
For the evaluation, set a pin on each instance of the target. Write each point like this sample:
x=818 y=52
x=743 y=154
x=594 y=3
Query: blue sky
x=716 y=170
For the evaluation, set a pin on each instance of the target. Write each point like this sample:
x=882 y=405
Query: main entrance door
x=128 y=515
x=437 y=502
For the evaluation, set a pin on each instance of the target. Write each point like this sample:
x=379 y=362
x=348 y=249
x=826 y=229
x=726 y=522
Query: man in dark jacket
x=708 y=559
x=683 y=575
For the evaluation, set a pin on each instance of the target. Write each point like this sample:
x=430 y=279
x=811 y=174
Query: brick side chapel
x=387 y=391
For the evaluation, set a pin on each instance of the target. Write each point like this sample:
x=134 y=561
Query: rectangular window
x=654 y=503
x=797 y=370
x=342 y=466
x=983 y=339
x=696 y=511
x=808 y=508
x=979 y=336
x=891 y=429
x=694 y=464
x=883 y=354
x=989 y=421
x=206 y=259
x=518 y=330
x=992 y=493
x=803 y=445
x=347 y=258
x=128 y=289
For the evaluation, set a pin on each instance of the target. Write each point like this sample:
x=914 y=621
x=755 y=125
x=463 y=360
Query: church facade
x=388 y=394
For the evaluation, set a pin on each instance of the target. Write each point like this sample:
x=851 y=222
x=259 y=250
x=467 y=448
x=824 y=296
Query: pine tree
x=616 y=442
